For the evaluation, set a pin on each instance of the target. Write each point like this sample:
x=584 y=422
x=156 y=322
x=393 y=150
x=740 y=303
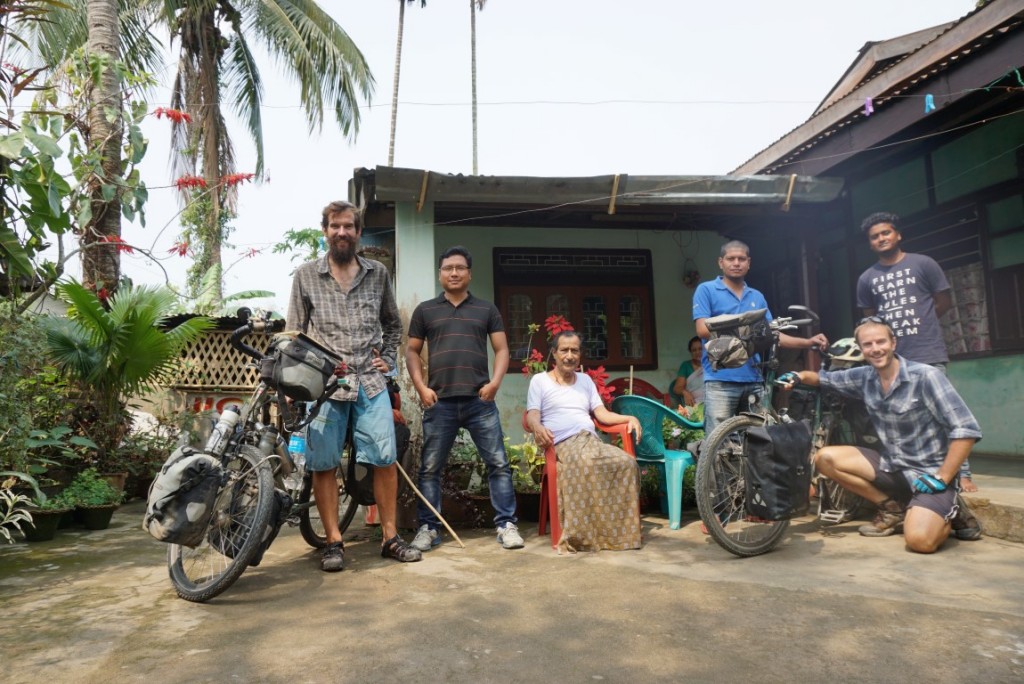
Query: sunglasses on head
x=874 y=319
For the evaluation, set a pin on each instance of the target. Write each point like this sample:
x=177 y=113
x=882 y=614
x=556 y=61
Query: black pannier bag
x=181 y=498
x=777 y=470
x=736 y=338
x=297 y=366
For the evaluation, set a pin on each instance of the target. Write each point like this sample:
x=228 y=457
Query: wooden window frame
x=576 y=274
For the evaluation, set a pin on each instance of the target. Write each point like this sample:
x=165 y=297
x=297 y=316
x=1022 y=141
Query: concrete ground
x=833 y=606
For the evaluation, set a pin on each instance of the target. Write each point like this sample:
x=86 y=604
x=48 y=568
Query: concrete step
x=999 y=501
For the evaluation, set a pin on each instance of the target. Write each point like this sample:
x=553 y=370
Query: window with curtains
x=605 y=294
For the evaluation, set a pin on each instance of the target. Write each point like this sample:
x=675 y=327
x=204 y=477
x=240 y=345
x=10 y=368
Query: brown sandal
x=397 y=548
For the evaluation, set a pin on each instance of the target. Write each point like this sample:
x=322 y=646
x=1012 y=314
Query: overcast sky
x=565 y=87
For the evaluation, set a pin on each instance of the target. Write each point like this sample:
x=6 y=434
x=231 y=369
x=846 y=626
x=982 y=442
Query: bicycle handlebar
x=254 y=326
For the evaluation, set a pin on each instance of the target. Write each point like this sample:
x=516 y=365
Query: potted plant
x=527 y=464
x=46 y=518
x=94 y=499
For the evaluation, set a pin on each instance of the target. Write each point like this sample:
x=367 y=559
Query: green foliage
x=204 y=301
x=527 y=464
x=673 y=431
x=141 y=454
x=117 y=352
x=33 y=398
x=48 y=172
x=12 y=513
x=89 y=489
x=301 y=244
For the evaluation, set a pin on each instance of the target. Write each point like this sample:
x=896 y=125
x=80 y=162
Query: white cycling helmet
x=846 y=353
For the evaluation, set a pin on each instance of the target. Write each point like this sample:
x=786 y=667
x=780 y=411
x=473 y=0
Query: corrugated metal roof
x=388 y=184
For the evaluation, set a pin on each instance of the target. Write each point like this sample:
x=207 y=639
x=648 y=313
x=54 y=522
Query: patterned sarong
x=598 y=495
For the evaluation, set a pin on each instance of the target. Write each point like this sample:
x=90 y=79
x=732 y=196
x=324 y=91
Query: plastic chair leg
x=549 y=508
x=674 y=470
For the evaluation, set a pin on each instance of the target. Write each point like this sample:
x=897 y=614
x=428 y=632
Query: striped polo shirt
x=457 y=338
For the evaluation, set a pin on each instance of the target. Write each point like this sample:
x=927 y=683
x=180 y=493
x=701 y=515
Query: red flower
x=556 y=324
x=534 y=363
x=236 y=178
x=103 y=294
x=175 y=115
x=251 y=252
x=600 y=378
x=186 y=182
x=181 y=249
x=122 y=246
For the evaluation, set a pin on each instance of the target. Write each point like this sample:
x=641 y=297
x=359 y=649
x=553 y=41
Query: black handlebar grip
x=236 y=342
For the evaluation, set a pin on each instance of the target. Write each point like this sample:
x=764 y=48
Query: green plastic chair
x=652 y=449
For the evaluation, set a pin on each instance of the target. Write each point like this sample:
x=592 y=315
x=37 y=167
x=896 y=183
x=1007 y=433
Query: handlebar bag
x=297 y=366
x=181 y=498
x=736 y=338
x=777 y=471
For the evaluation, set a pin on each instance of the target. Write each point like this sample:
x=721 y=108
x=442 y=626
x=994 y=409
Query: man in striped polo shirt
x=459 y=393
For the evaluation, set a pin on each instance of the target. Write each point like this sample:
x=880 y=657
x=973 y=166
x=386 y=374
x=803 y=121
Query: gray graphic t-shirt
x=903 y=295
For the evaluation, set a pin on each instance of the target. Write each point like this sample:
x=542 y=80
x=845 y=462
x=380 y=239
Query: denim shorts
x=895 y=486
x=374 y=432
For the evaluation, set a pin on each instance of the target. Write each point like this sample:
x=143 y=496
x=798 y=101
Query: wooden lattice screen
x=211 y=364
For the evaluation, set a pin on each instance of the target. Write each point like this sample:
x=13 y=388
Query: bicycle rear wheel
x=241 y=515
x=311 y=526
x=721 y=492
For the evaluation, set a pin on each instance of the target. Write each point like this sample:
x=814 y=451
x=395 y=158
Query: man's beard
x=343 y=250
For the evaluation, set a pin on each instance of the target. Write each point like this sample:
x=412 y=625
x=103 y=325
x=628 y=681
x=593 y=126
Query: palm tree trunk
x=472 y=43
x=101 y=262
x=213 y=161
x=394 y=90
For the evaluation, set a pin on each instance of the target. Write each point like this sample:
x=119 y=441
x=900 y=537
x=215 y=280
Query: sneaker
x=965 y=526
x=332 y=559
x=425 y=539
x=397 y=548
x=888 y=521
x=509 y=537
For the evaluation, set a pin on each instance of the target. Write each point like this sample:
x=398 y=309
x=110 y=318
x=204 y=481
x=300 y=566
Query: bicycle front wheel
x=240 y=517
x=721 y=492
x=311 y=526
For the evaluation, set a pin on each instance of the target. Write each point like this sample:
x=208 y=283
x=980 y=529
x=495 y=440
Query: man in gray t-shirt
x=911 y=293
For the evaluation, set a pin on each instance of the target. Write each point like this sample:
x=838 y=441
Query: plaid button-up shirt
x=352 y=324
x=916 y=420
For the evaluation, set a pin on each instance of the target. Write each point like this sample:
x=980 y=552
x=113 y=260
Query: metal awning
x=389 y=184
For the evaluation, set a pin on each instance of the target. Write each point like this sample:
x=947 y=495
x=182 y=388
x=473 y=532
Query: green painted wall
x=992 y=389
x=673 y=302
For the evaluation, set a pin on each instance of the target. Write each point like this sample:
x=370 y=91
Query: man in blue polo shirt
x=726 y=390
x=460 y=393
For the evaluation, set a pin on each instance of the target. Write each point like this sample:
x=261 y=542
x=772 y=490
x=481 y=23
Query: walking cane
x=432 y=509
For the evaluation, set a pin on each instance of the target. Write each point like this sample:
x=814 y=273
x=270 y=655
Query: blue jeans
x=441 y=422
x=723 y=400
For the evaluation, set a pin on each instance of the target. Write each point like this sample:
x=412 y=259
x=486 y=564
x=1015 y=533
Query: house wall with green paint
x=673 y=301
x=992 y=389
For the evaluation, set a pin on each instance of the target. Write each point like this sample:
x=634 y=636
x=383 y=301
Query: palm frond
x=324 y=59
x=244 y=88
x=85 y=308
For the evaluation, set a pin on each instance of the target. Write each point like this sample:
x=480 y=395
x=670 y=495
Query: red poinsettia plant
x=535 y=362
